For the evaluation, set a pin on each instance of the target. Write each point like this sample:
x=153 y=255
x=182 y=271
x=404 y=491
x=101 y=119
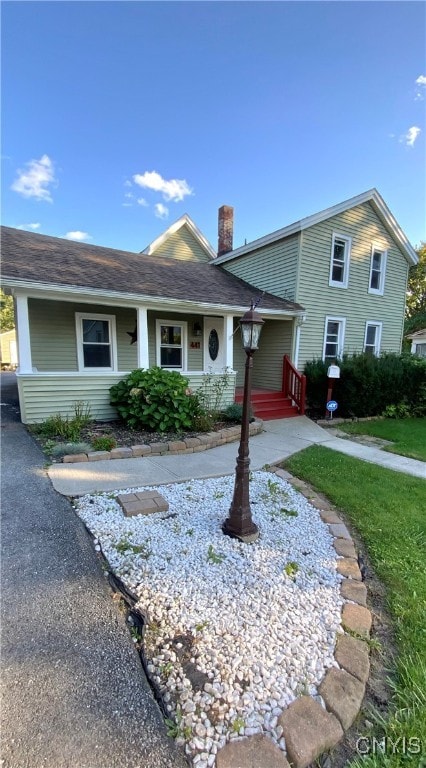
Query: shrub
x=104 y=443
x=368 y=385
x=63 y=449
x=210 y=393
x=63 y=426
x=155 y=399
x=233 y=412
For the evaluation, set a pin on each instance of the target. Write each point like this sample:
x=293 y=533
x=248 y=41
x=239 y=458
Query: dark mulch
x=126 y=437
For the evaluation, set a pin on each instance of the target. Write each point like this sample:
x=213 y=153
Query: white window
x=377 y=271
x=96 y=347
x=171 y=344
x=334 y=337
x=339 y=264
x=373 y=337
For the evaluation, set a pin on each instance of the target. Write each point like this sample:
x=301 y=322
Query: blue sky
x=118 y=117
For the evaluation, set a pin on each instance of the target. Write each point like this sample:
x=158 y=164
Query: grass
x=387 y=509
x=408 y=435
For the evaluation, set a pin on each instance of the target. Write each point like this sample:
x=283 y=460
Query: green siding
x=354 y=303
x=53 y=334
x=182 y=245
x=43 y=396
x=271 y=268
x=275 y=342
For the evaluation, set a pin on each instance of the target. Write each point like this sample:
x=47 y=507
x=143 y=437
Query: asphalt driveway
x=73 y=690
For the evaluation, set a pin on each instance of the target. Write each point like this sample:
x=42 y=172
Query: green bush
x=104 y=443
x=369 y=385
x=234 y=412
x=63 y=426
x=64 y=449
x=155 y=399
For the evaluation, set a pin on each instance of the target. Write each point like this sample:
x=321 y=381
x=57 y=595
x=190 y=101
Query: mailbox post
x=332 y=374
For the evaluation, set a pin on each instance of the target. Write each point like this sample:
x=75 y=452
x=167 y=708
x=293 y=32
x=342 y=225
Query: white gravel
x=258 y=620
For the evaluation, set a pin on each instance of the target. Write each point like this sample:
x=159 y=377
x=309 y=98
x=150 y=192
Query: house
x=418 y=342
x=347 y=265
x=8 y=354
x=331 y=283
x=86 y=316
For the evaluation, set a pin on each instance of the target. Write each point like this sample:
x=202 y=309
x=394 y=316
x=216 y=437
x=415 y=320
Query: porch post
x=23 y=334
x=142 y=321
x=229 y=341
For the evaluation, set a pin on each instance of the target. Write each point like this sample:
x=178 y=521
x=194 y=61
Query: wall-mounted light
x=196 y=328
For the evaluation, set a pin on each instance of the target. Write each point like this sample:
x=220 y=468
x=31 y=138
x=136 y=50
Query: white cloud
x=32 y=227
x=421 y=82
x=161 y=211
x=128 y=194
x=35 y=179
x=173 y=189
x=78 y=236
x=142 y=201
x=410 y=137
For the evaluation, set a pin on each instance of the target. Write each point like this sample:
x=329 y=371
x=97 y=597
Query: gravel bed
x=235 y=632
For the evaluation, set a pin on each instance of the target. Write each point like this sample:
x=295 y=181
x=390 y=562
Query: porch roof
x=30 y=259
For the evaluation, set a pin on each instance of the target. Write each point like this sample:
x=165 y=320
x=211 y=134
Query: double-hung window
x=171 y=347
x=377 y=271
x=339 y=263
x=95 y=342
x=334 y=337
x=373 y=336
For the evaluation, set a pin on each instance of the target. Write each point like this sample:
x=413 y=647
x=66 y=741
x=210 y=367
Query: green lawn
x=388 y=510
x=409 y=435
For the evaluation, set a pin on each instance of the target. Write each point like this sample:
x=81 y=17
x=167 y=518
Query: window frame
x=378 y=339
x=341 y=336
x=79 y=317
x=384 y=254
x=348 y=246
x=184 y=335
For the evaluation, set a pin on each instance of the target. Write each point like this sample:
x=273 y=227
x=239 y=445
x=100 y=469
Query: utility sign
x=332 y=406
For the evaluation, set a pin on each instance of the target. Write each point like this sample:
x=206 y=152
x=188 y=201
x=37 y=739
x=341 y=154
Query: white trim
x=348 y=245
x=384 y=253
x=378 y=337
x=23 y=334
x=341 y=337
x=229 y=341
x=184 y=220
x=297 y=345
x=371 y=196
x=142 y=331
x=184 y=346
x=85 y=295
x=79 y=317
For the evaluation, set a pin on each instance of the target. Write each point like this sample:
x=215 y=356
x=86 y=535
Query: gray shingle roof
x=27 y=256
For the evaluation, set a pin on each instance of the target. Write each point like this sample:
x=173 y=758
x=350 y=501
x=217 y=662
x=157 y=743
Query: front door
x=214 y=344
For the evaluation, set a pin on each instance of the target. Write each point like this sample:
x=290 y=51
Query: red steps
x=268 y=405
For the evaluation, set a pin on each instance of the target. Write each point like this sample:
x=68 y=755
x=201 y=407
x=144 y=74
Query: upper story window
x=339 y=264
x=95 y=342
x=334 y=337
x=171 y=344
x=377 y=271
x=373 y=337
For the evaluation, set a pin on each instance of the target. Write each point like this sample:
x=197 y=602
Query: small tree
x=7 y=315
x=415 y=312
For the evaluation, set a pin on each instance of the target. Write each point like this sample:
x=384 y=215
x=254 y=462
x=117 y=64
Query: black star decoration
x=133 y=335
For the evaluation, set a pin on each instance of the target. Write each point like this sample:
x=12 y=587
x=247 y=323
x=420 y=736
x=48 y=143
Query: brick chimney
x=225 y=229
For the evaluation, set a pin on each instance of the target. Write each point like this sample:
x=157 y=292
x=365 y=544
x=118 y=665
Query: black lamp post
x=239 y=523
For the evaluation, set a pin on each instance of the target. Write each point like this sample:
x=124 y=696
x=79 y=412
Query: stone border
x=308 y=726
x=188 y=445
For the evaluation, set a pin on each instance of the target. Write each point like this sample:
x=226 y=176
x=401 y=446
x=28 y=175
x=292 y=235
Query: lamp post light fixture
x=239 y=523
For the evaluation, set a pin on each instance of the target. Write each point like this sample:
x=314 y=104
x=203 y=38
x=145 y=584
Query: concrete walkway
x=280 y=439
